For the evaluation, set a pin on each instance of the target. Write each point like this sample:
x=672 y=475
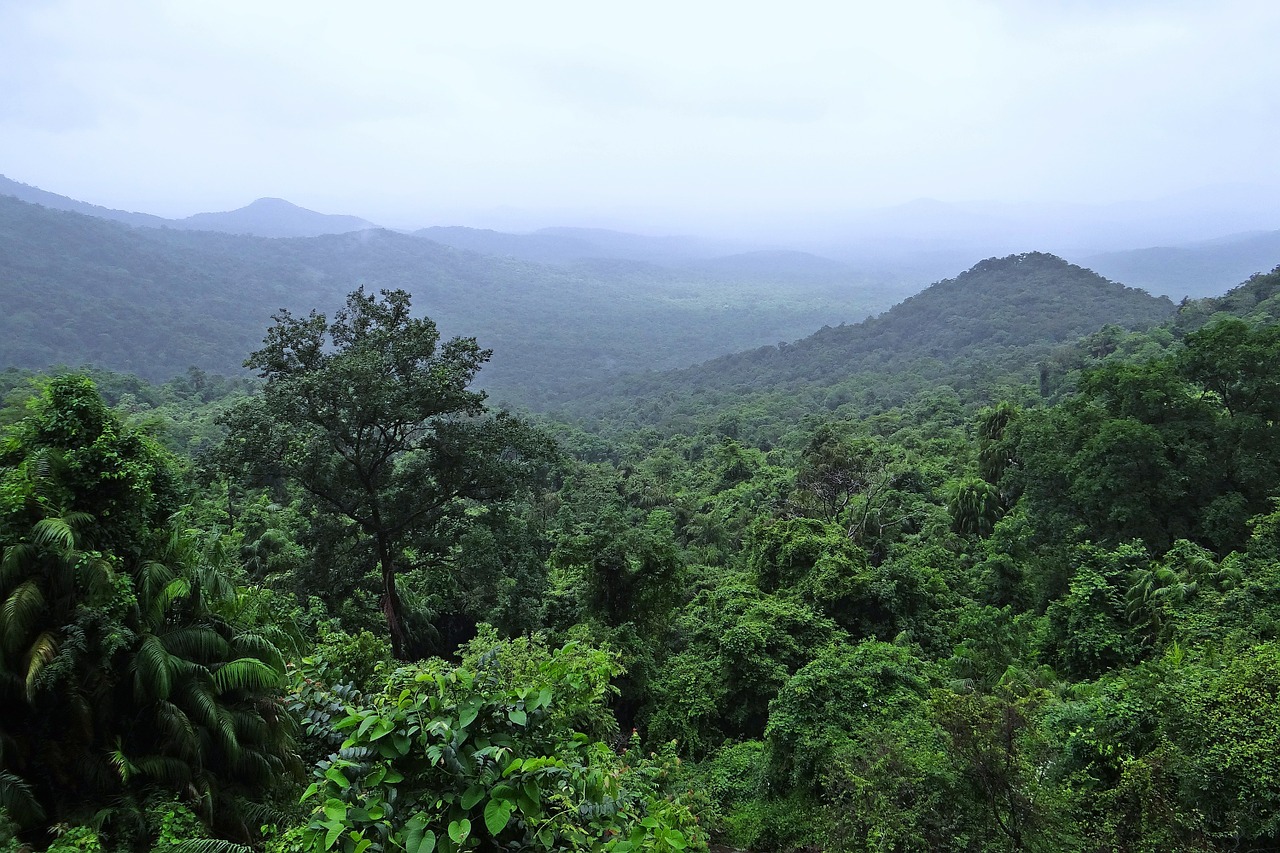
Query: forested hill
x=78 y=289
x=986 y=327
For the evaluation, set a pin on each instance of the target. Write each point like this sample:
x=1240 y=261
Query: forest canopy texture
x=998 y=570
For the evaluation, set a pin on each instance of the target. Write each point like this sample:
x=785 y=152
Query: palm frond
x=178 y=733
x=95 y=575
x=250 y=726
x=42 y=651
x=225 y=730
x=172 y=772
x=246 y=674
x=124 y=768
x=257 y=644
x=153 y=576
x=216 y=587
x=197 y=643
x=283 y=640
x=252 y=764
x=174 y=591
x=17 y=799
x=55 y=533
x=199 y=703
x=153 y=670
x=16 y=563
x=20 y=612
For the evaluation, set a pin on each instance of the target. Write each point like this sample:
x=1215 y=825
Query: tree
x=125 y=667
x=373 y=418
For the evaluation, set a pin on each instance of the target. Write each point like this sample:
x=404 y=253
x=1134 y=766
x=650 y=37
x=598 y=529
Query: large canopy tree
x=371 y=415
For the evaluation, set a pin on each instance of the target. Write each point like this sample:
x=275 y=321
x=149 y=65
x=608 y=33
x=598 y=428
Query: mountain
x=274 y=217
x=80 y=289
x=985 y=328
x=266 y=217
x=1195 y=270
x=35 y=195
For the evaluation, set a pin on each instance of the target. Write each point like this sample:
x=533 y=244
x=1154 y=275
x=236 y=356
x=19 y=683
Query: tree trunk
x=392 y=608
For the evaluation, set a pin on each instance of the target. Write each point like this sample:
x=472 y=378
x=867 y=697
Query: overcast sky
x=418 y=113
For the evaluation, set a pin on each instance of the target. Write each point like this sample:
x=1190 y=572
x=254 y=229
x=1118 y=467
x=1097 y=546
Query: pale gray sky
x=418 y=113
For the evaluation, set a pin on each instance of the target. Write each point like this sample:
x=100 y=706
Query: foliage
x=124 y=666
x=373 y=418
x=454 y=758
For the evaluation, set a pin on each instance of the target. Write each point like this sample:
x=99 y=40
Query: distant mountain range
x=566 y=311
x=902 y=247
x=80 y=289
x=1196 y=270
x=266 y=217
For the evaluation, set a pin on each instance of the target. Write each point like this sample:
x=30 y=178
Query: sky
x=683 y=115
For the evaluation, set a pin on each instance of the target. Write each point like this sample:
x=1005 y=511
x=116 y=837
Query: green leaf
x=417 y=838
x=471 y=796
x=517 y=716
x=496 y=815
x=467 y=714
x=459 y=830
x=337 y=777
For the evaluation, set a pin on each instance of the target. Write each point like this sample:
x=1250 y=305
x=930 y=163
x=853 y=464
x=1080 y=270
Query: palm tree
x=125 y=668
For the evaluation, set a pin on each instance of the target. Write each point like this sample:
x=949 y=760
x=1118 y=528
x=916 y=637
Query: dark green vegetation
x=982 y=334
x=154 y=302
x=996 y=571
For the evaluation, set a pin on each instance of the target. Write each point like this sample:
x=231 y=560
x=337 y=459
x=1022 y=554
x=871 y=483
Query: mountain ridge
x=992 y=322
x=265 y=217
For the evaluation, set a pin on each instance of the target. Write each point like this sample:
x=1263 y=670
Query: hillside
x=53 y=201
x=981 y=330
x=155 y=301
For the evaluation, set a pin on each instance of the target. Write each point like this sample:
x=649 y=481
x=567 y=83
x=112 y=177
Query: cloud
x=711 y=109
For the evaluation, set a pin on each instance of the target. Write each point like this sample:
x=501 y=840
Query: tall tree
x=371 y=415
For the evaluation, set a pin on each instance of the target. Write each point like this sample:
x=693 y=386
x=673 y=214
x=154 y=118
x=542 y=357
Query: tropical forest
x=386 y=542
